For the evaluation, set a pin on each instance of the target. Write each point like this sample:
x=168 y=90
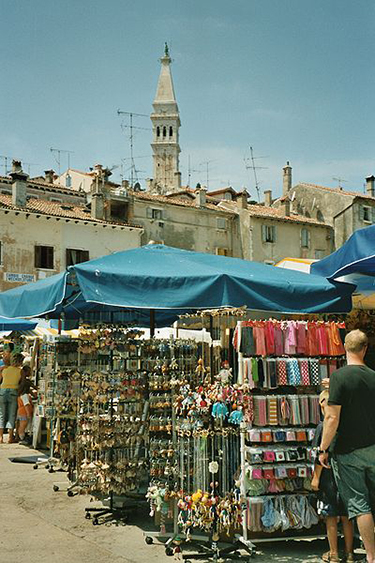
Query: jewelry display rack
x=112 y=429
x=275 y=444
x=58 y=402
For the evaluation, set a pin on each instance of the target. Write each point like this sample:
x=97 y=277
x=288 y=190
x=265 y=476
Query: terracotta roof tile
x=336 y=190
x=44 y=186
x=55 y=209
x=176 y=201
x=273 y=213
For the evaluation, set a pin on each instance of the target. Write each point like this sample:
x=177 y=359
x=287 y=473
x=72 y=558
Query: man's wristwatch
x=322 y=452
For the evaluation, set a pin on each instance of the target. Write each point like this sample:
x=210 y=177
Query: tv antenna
x=339 y=180
x=29 y=165
x=190 y=170
x=57 y=155
x=207 y=164
x=250 y=165
x=131 y=127
x=5 y=160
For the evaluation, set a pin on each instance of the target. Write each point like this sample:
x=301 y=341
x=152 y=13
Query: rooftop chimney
x=242 y=199
x=200 y=197
x=370 y=186
x=49 y=176
x=285 y=207
x=19 y=186
x=268 y=198
x=97 y=205
x=287 y=178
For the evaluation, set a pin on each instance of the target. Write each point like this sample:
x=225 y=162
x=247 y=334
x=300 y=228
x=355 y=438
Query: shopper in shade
x=11 y=378
x=349 y=435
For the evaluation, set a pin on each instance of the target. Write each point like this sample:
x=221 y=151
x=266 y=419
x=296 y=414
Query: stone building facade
x=45 y=228
x=342 y=210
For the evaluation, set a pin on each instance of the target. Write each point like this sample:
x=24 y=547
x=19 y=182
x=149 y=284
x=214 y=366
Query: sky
x=293 y=79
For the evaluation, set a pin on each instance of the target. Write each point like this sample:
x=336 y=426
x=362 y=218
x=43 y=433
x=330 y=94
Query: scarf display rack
x=282 y=364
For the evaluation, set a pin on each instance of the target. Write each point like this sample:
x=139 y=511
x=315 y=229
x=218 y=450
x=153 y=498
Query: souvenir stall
x=161 y=283
x=244 y=439
x=281 y=366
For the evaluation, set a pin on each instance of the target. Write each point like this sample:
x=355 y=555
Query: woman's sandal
x=328 y=557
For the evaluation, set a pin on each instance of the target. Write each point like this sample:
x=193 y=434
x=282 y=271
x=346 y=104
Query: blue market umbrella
x=172 y=281
x=353 y=262
x=16 y=324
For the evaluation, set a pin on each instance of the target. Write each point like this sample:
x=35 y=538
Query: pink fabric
x=279 y=345
x=301 y=338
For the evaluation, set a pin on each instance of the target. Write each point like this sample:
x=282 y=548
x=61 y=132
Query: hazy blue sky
x=293 y=78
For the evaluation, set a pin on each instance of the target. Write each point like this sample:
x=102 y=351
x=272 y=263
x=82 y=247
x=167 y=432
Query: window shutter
x=273 y=233
x=50 y=257
x=373 y=214
x=308 y=239
x=361 y=213
x=264 y=233
x=37 y=257
x=149 y=212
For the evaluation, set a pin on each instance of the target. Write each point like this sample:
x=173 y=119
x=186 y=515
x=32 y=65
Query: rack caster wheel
x=70 y=493
x=149 y=540
x=35 y=466
x=169 y=551
x=88 y=516
x=55 y=488
x=51 y=470
x=95 y=522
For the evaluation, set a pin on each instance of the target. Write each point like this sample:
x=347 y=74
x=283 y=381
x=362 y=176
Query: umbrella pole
x=152 y=323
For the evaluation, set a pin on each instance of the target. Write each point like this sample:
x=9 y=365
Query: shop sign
x=19 y=278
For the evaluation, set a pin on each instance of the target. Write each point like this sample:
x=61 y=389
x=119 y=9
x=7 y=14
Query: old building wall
x=21 y=232
x=318 y=202
x=288 y=240
x=191 y=228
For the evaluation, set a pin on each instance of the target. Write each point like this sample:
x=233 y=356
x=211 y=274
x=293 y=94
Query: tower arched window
x=158 y=131
x=164 y=131
x=171 y=131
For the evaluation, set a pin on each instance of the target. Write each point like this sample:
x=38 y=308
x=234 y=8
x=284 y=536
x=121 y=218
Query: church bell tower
x=165 y=131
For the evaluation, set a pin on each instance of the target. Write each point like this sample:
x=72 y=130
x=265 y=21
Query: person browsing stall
x=329 y=503
x=11 y=378
x=349 y=433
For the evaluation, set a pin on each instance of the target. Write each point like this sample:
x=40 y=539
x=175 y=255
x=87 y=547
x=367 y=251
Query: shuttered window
x=366 y=214
x=153 y=213
x=44 y=257
x=221 y=251
x=221 y=223
x=305 y=238
x=76 y=256
x=268 y=233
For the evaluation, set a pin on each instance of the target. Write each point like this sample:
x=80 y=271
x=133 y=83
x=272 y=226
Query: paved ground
x=40 y=526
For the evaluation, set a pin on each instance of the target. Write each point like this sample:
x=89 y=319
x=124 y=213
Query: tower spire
x=165 y=125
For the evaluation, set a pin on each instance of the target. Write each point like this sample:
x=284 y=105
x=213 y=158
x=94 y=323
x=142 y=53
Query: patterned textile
x=314 y=371
x=282 y=372
x=294 y=374
x=305 y=375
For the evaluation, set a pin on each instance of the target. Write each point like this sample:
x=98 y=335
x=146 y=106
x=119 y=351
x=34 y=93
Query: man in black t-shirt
x=349 y=434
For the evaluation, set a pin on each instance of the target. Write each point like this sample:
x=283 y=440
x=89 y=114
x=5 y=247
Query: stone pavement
x=39 y=525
